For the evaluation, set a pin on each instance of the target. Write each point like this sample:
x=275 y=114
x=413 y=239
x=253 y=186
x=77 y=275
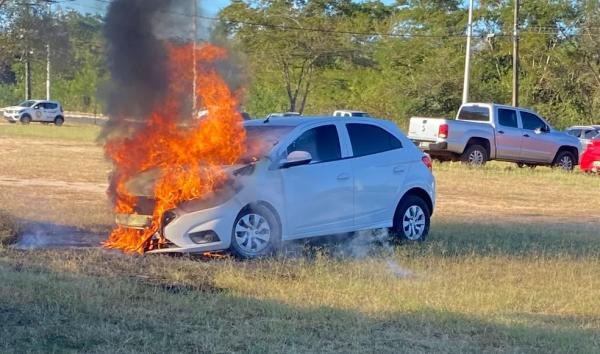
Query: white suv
x=35 y=111
x=315 y=176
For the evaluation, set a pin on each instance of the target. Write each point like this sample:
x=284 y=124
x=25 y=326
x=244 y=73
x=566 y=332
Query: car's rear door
x=509 y=135
x=319 y=195
x=380 y=165
x=50 y=111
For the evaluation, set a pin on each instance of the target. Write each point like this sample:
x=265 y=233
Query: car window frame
x=546 y=125
x=351 y=147
x=508 y=109
x=294 y=136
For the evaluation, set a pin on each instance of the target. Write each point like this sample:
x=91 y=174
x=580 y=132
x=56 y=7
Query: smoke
x=38 y=235
x=138 y=32
x=136 y=57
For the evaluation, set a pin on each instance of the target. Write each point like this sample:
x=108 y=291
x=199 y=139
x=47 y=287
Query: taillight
x=443 y=131
x=427 y=161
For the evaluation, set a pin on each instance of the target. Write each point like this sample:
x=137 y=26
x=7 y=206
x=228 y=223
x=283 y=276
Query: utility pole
x=48 y=53
x=515 y=88
x=195 y=29
x=465 y=97
x=27 y=76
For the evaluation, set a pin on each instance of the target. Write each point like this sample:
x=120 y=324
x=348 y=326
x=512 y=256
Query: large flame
x=189 y=157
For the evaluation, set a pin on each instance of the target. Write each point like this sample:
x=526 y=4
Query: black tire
x=58 y=121
x=25 y=119
x=475 y=155
x=564 y=160
x=523 y=165
x=242 y=242
x=407 y=227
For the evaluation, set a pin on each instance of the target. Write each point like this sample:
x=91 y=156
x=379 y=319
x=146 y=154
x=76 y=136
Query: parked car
x=484 y=131
x=284 y=114
x=314 y=176
x=590 y=159
x=35 y=111
x=585 y=133
x=350 y=113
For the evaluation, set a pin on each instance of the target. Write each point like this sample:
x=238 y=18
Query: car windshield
x=260 y=139
x=26 y=103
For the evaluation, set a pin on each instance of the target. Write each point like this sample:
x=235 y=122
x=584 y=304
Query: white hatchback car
x=317 y=176
x=35 y=111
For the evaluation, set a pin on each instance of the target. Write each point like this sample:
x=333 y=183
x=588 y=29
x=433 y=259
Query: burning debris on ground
x=151 y=125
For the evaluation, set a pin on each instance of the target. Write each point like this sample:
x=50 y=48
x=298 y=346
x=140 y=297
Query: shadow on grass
x=44 y=312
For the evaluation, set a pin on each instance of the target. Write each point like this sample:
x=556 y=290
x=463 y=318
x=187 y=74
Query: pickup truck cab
x=484 y=131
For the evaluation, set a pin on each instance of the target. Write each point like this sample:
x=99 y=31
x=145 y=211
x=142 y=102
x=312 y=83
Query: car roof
x=306 y=120
x=348 y=111
x=584 y=127
x=40 y=101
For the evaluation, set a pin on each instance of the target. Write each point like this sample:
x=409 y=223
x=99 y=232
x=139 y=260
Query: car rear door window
x=507 y=117
x=49 y=105
x=531 y=121
x=323 y=143
x=574 y=132
x=476 y=113
x=590 y=134
x=367 y=139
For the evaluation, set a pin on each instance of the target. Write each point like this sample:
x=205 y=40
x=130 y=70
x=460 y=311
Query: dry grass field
x=511 y=265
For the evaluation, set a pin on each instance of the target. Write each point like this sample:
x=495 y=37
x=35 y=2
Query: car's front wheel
x=412 y=219
x=25 y=119
x=256 y=232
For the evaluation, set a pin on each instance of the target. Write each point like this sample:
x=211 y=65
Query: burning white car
x=317 y=176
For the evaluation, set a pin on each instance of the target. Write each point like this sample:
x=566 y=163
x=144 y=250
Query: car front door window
x=322 y=143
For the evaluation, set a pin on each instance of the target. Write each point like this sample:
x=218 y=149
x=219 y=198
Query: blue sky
x=211 y=7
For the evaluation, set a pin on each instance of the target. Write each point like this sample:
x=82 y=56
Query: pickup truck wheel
x=564 y=160
x=25 y=119
x=412 y=219
x=256 y=232
x=475 y=155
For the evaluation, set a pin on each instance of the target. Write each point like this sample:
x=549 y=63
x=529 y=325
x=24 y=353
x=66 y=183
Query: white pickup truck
x=484 y=131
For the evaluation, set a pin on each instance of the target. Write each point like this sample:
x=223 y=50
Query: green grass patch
x=87 y=133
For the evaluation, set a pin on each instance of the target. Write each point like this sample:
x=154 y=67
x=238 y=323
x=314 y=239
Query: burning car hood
x=143 y=184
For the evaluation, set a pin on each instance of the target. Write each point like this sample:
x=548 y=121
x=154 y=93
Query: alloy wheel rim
x=413 y=222
x=566 y=163
x=476 y=157
x=252 y=233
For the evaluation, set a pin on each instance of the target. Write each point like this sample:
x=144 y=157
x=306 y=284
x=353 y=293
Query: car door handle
x=500 y=131
x=398 y=169
x=343 y=177
x=526 y=135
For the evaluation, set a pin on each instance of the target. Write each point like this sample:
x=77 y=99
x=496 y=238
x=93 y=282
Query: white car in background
x=350 y=113
x=315 y=176
x=35 y=111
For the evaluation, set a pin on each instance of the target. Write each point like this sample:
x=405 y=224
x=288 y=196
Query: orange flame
x=189 y=158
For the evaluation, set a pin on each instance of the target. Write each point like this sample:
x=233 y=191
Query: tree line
x=314 y=56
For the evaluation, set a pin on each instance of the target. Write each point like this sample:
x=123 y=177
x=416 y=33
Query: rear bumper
x=430 y=145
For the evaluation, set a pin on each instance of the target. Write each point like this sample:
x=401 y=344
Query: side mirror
x=296 y=158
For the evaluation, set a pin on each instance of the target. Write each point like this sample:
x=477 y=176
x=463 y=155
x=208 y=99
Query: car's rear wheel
x=256 y=232
x=26 y=119
x=475 y=155
x=412 y=219
x=59 y=121
x=564 y=160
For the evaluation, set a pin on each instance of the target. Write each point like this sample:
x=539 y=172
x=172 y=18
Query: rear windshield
x=260 y=139
x=476 y=113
